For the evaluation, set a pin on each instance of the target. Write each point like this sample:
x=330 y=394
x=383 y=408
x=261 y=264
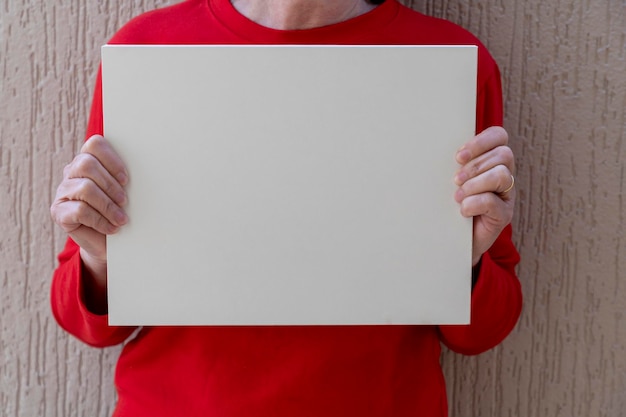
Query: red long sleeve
x=68 y=303
x=496 y=302
x=69 y=308
x=497 y=297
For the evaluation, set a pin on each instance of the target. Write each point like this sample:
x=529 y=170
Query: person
x=288 y=370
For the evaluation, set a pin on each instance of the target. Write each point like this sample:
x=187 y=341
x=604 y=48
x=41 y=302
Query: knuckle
x=61 y=192
x=503 y=178
x=506 y=155
x=69 y=218
x=92 y=144
x=67 y=170
x=59 y=209
x=500 y=133
x=54 y=212
x=81 y=164
x=80 y=213
x=83 y=188
x=495 y=177
x=502 y=171
x=84 y=162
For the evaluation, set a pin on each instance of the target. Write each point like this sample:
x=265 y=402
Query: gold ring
x=510 y=186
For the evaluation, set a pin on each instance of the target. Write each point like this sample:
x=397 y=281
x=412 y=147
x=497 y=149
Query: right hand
x=90 y=199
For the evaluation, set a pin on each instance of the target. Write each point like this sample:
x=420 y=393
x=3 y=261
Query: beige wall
x=564 y=68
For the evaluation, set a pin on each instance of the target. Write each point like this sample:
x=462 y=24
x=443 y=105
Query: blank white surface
x=289 y=185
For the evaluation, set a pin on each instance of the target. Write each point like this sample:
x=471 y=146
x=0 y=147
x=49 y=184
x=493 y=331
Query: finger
x=500 y=155
x=492 y=209
x=486 y=140
x=84 y=190
x=498 y=181
x=70 y=215
x=102 y=150
x=87 y=166
x=488 y=226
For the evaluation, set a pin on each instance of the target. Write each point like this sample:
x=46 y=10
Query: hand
x=89 y=201
x=486 y=191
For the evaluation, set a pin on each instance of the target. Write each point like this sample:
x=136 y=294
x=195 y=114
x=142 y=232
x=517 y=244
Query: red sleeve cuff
x=495 y=308
x=69 y=308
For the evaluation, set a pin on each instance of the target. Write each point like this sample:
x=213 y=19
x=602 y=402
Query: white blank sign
x=290 y=185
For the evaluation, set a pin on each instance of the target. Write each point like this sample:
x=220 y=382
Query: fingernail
x=463 y=156
x=459 y=195
x=112 y=229
x=122 y=178
x=460 y=178
x=121 y=218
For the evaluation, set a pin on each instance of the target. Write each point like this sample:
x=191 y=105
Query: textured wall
x=564 y=68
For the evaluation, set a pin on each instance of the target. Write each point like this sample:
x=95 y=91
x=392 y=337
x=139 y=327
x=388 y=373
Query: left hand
x=486 y=186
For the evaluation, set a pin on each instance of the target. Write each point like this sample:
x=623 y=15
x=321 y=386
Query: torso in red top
x=326 y=371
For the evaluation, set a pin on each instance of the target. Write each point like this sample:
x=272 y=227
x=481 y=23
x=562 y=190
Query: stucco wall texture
x=564 y=72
